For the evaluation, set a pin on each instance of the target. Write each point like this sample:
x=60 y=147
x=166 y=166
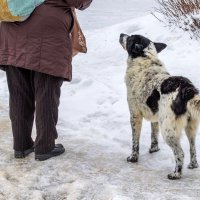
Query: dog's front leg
x=154 y=137
x=136 y=124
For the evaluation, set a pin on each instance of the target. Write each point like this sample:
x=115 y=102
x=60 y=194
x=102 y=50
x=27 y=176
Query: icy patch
x=95 y=130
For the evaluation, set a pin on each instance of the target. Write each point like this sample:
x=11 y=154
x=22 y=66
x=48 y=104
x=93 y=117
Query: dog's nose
x=122 y=35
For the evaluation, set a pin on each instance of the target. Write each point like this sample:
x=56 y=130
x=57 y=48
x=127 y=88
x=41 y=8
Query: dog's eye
x=138 y=47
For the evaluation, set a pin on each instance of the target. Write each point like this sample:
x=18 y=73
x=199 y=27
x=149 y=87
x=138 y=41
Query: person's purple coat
x=42 y=42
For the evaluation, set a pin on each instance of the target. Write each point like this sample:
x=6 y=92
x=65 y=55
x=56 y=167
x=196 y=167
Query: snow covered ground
x=94 y=120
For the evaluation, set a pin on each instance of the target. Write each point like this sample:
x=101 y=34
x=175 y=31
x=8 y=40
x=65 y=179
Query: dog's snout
x=121 y=38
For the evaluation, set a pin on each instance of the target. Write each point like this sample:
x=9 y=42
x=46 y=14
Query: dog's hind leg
x=154 y=137
x=172 y=138
x=191 y=130
x=136 y=124
x=174 y=143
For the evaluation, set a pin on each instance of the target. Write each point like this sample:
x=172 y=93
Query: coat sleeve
x=79 y=4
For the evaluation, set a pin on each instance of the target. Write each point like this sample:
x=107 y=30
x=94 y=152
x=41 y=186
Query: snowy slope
x=94 y=123
x=110 y=12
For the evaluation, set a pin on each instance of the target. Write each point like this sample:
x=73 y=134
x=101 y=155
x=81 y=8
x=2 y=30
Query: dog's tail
x=193 y=107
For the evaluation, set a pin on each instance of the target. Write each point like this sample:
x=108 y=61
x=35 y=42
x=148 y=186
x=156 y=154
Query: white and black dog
x=169 y=102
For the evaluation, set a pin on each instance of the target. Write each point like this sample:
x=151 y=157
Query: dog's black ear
x=138 y=48
x=160 y=46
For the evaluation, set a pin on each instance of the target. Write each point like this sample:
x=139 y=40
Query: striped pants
x=33 y=93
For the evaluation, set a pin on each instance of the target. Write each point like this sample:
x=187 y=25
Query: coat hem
x=3 y=67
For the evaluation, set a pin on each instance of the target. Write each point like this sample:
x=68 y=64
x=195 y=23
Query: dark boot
x=58 y=149
x=23 y=154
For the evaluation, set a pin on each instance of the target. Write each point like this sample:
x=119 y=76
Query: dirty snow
x=94 y=120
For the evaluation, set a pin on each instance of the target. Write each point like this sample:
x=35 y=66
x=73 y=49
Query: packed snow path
x=94 y=123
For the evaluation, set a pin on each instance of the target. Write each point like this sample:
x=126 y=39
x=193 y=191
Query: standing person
x=36 y=55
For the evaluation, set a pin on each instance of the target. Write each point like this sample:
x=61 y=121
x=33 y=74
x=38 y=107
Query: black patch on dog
x=152 y=101
x=179 y=170
x=186 y=92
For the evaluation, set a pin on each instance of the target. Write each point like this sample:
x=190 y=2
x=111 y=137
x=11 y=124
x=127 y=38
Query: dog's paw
x=132 y=159
x=154 y=149
x=193 y=165
x=174 y=176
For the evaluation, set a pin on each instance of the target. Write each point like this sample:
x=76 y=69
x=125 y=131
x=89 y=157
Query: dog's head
x=139 y=46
